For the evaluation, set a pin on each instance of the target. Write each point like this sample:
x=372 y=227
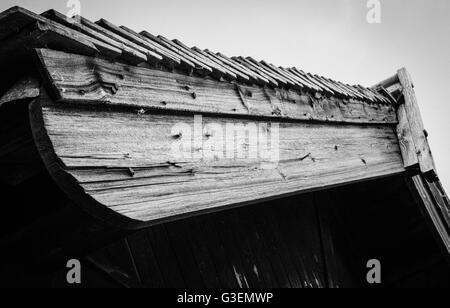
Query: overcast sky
x=329 y=37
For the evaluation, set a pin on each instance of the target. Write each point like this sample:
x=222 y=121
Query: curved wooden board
x=119 y=164
x=92 y=81
x=63 y=179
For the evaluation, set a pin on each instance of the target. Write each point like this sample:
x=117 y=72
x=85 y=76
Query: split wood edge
x=412 y=135
x=64 y=180
x=435 y=204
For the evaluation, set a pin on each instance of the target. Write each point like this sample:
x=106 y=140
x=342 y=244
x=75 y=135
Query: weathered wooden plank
x=158 y=47
x=197 y=241
x=281 y=80
x=266 y=80
x=249 y=260
x=233 y=253
x=295 y=84
x=146 y=264
x=229 y=72
x=150 y=38
x=185 y=254
x=387 y=83
x=257 y=69
x=351 y=90
x=442 y=201
x=66 y=183
x=371 y=96
x=87 y=23
x=213 y=57
x=323 y=84
x=95 y=81
x=301 y=229
x=128 y=54
x=427 y=200
x=12 y=21
x=330 y=85
x=296 y=78
x=23 y=18
x=263 y=265
x=258 y=79
x=219 y=254
x=272 y=248
x=205 y=68
x=26 y=88
x=305 y=81
x=415 y=121
x=40 y=35
x=166 y=257
x=154 y=54
x=125 y=161
x=218 y=70
x=342 y=88
x=274 y=235
x=323 y=201
x=406 y=141
x=312 y=80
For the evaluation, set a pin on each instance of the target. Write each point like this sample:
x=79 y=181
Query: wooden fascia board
x=435 y=205
x=418 y=133
x=412 y=136
x=341 y=155
x=67 y=183
x=422 y=178
x=26 y=88
x=95 y=81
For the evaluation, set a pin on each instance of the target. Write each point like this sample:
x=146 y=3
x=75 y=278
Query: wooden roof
x=104 y=39
x=106 y=99
x=94 y=105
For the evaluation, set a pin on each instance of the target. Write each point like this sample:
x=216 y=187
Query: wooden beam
x=84 y=80
x=124 y=161
x=65 y=182
x=26 y=88
x=129 y=54
x=16 y=19
x=414 y=117
x=388 y=82
x=405 y=138
x=435 y=203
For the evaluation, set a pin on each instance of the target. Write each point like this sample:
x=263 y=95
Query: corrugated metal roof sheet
x=126 y=45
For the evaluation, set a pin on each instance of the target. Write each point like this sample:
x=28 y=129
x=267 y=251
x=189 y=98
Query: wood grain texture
x=154 y=50
x=234 y=249
x=113 y=42
x=26 y=88
x=129 y=54
x=319 y=240
x=18 y=18
x=437 y=208
x=415 y=121
x=84 y=80
x=124 y=161
x=405 y=138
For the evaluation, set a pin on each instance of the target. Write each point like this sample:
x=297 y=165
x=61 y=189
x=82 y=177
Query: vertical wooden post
x=437 y=208
x=413 y=115
x=406 y=142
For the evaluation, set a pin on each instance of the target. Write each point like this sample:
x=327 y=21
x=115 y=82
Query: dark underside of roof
x=321 y=239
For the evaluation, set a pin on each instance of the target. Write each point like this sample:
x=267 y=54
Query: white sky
x=329 y=37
